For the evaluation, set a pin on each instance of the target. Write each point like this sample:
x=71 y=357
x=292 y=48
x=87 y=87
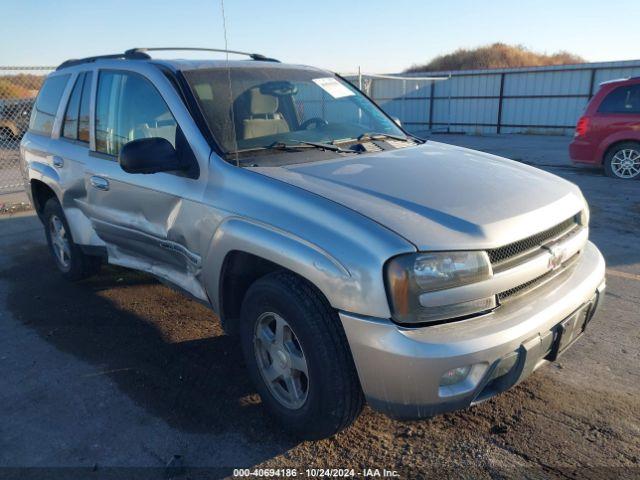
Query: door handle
x=99 y=183
x=58 y=162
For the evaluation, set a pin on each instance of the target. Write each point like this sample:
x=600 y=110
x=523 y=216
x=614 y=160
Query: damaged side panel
x=151 y=227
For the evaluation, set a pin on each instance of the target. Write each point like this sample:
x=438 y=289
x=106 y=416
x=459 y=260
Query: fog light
x=455 y=375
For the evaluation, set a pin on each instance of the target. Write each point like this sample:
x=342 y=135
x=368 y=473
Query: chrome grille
x=503 y=254
x=535 y=282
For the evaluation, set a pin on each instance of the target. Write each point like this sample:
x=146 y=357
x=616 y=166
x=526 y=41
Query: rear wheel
x=71 y=261
x=298 y=357
x=623 y=161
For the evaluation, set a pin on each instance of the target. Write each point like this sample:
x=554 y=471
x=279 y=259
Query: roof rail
x=129 y=54
x=141 y=54
x=253 y=56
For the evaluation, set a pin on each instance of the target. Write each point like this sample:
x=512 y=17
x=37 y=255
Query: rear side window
x=44 y=111
x=622 y=100
x=76 y=118
x=83 y=118
x=70 y=125
x=128 y=107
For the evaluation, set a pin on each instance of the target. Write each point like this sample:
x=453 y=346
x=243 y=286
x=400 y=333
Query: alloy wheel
x=626 y=163
x=281 y=360
x=60 y=241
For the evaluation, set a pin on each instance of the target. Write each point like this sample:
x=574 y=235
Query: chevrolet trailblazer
x=355 y=261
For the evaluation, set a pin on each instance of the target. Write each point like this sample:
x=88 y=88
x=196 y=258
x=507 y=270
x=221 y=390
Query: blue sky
x=380 y=36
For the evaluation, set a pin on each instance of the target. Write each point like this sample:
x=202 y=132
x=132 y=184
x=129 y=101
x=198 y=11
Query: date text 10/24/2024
x=316 y=472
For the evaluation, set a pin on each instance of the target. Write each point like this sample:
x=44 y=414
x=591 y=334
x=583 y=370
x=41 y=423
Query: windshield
x=280 y=105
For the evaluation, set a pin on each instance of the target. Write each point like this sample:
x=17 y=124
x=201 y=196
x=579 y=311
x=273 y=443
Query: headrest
x=262 y=104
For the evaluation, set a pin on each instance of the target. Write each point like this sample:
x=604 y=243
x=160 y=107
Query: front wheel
x=298 y=357
x=623 y=161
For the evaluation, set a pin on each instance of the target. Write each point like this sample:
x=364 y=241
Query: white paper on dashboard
x=333 y=87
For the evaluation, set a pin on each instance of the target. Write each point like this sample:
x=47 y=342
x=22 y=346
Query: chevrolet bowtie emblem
x=557 y=256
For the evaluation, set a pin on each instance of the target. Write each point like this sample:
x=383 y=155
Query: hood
x=439 y=196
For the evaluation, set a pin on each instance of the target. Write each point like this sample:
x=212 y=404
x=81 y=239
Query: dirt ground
x=120 y=372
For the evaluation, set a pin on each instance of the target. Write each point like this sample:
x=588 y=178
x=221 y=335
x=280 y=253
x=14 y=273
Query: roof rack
x=253 y=56
x=141 y=54
x=129 y=54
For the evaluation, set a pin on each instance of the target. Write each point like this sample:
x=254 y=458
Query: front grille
x=536 y=282
x=522 y=287
x=502 y=254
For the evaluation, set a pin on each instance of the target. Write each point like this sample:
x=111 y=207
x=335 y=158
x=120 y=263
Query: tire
x=333 y=398
x=614 y=161
x=74 y=264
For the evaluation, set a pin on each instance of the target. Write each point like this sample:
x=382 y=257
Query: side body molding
x=280 y=247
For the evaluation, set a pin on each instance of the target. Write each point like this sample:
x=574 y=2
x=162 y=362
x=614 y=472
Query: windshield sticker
x=333 y=87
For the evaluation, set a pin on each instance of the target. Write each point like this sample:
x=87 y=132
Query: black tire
x=611 y=153
x=334 y=399
x=79 y=265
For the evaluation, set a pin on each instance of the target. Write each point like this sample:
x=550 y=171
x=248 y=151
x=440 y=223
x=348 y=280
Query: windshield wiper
x=380 y=136
x=295 y=145
x=325 y=146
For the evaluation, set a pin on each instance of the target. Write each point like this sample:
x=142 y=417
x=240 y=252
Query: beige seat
x=264 y=118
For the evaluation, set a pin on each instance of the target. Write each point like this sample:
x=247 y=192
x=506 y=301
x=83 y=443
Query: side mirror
x=397 y=120
x=149 y=155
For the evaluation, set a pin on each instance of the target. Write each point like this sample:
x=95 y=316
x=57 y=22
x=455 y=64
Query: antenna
x=231 y=112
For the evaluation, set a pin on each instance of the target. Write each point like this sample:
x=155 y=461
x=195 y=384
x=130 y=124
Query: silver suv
x=355 y=261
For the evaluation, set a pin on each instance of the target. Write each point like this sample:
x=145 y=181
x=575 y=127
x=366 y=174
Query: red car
x=608 y=134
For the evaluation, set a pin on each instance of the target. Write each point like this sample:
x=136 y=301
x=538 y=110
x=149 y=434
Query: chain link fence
x=18 y=89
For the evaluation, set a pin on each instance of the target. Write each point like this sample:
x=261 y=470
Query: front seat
x=264 y=118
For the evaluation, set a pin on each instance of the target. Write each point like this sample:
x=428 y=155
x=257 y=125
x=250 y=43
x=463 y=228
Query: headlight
x=409 y=276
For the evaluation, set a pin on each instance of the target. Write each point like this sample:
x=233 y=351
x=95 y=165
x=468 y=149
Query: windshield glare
x=283 y=105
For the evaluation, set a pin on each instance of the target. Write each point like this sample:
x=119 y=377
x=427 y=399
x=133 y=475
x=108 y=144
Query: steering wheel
x=317 y=121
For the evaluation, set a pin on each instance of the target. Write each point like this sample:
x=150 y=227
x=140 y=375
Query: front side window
x=44 y=111
x=624 y=99
x=251 y=107
x=128 y=107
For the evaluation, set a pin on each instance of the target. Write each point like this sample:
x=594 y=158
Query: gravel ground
x=120 y=371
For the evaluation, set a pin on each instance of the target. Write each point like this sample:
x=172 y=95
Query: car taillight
x=582 y=126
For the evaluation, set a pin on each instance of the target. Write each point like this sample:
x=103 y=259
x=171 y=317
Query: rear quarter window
x=44 y=111
x=625 y=99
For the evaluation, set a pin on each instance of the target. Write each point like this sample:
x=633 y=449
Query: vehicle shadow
x=166 y=352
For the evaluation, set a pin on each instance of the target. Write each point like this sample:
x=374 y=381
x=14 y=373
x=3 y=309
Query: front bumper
x=400 y=368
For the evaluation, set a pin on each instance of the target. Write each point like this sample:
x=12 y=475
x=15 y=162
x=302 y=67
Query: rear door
x=40 y=154
x=142 y=218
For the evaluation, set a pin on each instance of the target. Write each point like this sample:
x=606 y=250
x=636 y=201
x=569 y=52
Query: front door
x=143 y=218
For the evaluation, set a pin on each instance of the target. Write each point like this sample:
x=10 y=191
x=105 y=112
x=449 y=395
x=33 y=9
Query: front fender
x=283 y=248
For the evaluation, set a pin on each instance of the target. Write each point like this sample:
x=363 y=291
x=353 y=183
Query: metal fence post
x=592 y=80
x=432 y=90
x=499 y=122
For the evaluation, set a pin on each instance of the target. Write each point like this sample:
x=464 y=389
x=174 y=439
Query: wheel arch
x=239 y=271
x=613 y=144
x=40 y=194
x=241 y=251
